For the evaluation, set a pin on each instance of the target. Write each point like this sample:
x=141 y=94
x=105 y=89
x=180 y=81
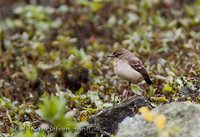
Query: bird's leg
x=129 y=85
x=126 y=92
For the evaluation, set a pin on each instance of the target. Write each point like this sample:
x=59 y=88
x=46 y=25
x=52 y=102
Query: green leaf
x=151 y=91
x=30 y=73
x=160 y=99
x=95 y=6
x=39 y=47
x=80 y=54
x=168 y=89
x=136 y=89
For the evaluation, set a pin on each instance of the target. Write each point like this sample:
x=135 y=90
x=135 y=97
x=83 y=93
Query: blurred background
x=53 y=46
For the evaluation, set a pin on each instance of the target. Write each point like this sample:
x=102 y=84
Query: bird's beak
x=111 y=56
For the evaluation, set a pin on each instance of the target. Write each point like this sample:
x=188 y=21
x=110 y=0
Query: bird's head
x=119 y=53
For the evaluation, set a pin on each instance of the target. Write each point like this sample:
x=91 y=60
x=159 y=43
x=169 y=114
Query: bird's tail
x=147 y=79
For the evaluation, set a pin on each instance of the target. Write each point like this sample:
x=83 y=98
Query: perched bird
x=129 y=67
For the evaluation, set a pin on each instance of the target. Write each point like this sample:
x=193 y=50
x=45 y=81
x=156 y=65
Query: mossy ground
x=62 y=50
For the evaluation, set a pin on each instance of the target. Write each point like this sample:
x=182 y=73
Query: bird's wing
x=136 y=64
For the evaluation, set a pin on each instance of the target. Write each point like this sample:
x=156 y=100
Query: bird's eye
x=116 y=54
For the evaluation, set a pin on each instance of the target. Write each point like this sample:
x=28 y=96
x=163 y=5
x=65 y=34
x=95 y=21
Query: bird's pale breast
x=125 y=71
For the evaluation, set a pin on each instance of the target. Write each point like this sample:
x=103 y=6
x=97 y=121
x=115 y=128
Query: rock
x=92 y=131
x=186 y=92
x=106 y=122
x=182 y=116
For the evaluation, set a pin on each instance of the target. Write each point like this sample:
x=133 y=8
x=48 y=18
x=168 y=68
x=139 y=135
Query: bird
x=129 y=67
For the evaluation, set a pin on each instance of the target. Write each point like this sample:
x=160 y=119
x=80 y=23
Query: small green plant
x=168 y=89
x=30 y=73
x=37 y=16
x=29 y=133
x=53 y=110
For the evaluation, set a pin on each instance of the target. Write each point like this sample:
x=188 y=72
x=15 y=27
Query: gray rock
x=106 y=122
x=182 y=117
x=109 y=119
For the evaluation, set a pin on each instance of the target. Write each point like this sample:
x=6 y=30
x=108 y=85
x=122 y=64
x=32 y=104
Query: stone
x=183 y=120
x=106 y=122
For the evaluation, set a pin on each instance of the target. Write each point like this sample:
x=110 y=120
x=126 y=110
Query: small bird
x=129 y=67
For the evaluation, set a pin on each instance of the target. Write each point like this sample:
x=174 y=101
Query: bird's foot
x=127 y=95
